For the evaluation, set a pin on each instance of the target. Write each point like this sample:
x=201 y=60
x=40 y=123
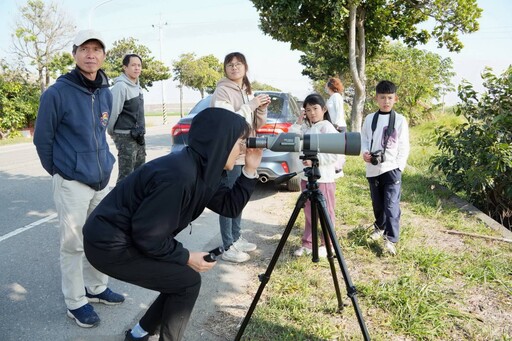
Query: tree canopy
x=152 y=70
x=339 y=35
x=422 y=79
x=257 y=86
x=42 y=32
x=420 y=76
x=201 y=74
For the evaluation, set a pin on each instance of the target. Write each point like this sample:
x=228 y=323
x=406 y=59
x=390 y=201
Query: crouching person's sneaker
x=130 y=337
x=106 y=297
x=85 y=316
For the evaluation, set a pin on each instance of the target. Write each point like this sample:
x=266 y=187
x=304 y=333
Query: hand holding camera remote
x=197 y=262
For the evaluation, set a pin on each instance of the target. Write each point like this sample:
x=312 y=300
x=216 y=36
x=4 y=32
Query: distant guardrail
x=169 y=107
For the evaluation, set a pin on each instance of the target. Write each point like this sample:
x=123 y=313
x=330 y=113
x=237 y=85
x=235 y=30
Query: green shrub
x=476 y=156
x=19 y=100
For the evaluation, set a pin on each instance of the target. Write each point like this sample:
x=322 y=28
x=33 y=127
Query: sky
x=170 y=28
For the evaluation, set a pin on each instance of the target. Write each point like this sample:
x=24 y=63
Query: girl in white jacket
x=317 y=121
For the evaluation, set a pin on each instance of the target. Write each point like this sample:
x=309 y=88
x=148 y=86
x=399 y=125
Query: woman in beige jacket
x=234 y=93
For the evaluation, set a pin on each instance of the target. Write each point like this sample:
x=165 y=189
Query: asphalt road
x=31 y=302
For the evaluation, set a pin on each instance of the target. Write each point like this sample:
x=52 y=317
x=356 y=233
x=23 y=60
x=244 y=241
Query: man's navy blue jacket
x=70 y=130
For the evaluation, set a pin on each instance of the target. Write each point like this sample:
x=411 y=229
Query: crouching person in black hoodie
x=131 y=233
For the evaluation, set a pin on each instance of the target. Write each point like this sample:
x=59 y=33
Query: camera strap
x=389 y=130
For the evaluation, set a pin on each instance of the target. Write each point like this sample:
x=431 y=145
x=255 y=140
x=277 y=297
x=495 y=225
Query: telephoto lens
x=214 y=254
x=333 y=143
x=283 y=142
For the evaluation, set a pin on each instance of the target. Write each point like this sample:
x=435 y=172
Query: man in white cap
x=71 y=143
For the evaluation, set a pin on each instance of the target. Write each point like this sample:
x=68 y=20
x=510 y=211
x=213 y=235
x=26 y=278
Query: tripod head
x=312 y=172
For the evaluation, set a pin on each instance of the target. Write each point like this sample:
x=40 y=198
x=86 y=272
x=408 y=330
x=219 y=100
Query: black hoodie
x=154 y=203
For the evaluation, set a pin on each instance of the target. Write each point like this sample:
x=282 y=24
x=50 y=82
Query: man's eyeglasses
x=236 y=65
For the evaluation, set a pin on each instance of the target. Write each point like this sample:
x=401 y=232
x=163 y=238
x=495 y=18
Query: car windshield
x=275 y=108
x=282 y=108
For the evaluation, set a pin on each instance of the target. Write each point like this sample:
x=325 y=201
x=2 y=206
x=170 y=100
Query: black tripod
x=318 y=211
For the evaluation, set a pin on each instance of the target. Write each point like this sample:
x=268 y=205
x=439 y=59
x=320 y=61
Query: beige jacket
x=228 y=95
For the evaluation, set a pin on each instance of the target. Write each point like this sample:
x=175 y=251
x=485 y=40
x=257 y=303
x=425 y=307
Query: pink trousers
x=329 y=191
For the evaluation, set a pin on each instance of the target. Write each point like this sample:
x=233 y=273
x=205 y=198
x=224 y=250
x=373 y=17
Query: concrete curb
x=472 y=210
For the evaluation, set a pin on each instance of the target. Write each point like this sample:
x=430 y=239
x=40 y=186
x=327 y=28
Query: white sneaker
x=389 y=246
x=301 y=251
x=243 y=245
x=234 y=255
x=376 y=234
x=322 y=252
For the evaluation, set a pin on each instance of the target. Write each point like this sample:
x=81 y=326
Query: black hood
x=212 y=135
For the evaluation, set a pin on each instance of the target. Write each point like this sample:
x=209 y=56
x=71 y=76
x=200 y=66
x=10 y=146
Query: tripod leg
x=264 y=278
x=314 y=232
x=330 y=256
x=351 y=290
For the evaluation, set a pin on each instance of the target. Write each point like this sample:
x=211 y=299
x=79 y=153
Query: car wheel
x=293 y=185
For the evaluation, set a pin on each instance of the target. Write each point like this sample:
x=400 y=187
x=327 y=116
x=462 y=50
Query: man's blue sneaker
x=85 y=316
x=106 y=297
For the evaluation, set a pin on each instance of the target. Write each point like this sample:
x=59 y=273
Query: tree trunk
x=41 y=80
x=356 y=115
x=47 y=79
x=357 y=64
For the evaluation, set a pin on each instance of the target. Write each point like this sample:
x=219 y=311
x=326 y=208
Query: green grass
x=439 y=287
x=418 y=308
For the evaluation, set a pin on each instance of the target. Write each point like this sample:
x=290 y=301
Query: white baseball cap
x=85 y=35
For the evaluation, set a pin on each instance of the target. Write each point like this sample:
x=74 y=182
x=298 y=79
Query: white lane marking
x=27 y=227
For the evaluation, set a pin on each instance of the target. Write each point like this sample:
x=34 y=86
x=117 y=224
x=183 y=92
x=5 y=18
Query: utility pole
x=181 y=99
x=160 y=25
